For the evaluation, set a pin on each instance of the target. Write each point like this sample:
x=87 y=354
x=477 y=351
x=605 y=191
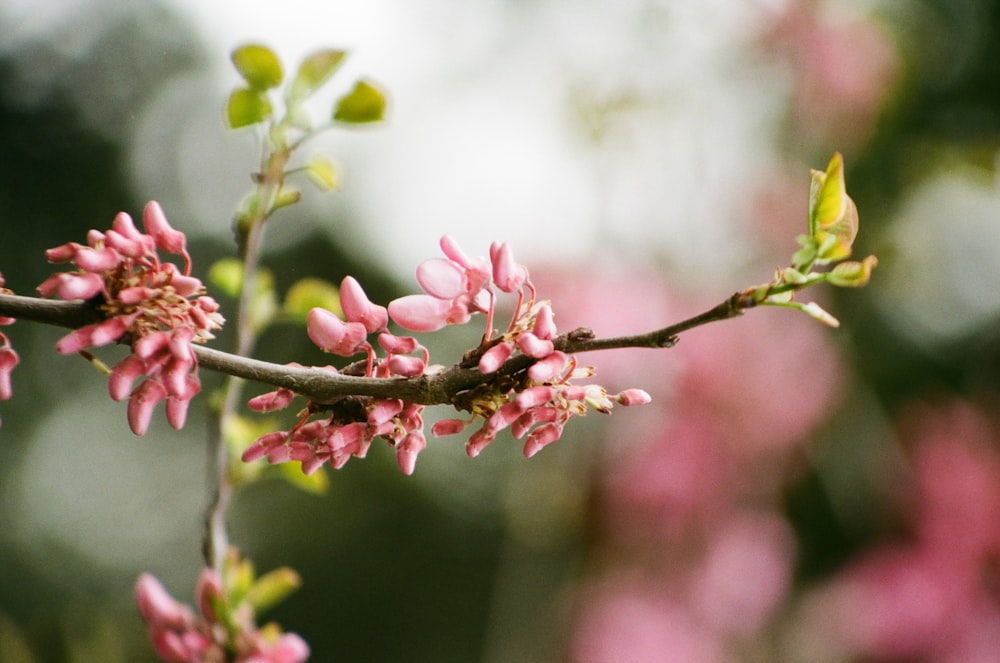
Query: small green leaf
x=793 y=276
x=829 y=200
x=287 y=195
x=815 y=311
x=272 y=588
x=316 y=483
x=322 y=173
x=310 y=293
x=246 y=107
x=365 y=103
x=226 y=276
x=259 y=66
x=314 y=71
x=852 y=273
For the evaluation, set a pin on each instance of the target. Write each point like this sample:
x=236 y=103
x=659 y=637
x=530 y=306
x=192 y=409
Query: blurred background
x=794 y=494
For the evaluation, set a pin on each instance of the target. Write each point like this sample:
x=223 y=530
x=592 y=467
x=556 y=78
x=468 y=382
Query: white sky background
x=481 y=141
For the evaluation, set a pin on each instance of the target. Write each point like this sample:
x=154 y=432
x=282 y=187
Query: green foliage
x=314 y=71
x=365 y=103
x=259 y=66
x=833 y=227
x=309 y=293
x=247 y=107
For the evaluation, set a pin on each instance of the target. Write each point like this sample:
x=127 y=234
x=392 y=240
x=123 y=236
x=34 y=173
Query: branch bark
x=326 y=386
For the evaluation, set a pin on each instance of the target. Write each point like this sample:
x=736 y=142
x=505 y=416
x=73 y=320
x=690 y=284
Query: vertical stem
x=216 y=541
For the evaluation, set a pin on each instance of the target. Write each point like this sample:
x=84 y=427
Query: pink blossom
x=422 y=313
x=493 y=359
x=155 y=305
x=334 y=335
x=407 y=450
x=358 y=308
x=8 y=360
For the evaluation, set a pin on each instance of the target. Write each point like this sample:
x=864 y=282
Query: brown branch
x=326 y=386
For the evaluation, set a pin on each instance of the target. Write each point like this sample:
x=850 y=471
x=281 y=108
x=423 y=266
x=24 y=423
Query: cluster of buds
x=535 y=400
x=8 y=356
x=155 y=306
x=347 y=427
x=224 y=629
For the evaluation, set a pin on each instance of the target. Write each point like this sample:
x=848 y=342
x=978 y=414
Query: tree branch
x=325 y=386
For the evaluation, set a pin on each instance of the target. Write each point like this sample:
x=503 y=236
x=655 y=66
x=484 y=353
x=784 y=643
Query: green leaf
x=314 y=71
x=852 y=273
x=247 y=106
x=259 y=66
x=322 y=173
x=365 y=103
x=310 y=293
x=272 y=588
x=804 y=257
x=226 y=276
x=829 y=200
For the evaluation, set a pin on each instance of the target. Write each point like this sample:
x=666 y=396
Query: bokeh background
x=794 y=494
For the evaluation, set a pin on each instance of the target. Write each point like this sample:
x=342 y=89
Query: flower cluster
x=221 y=632
x=538 y=399
x=350 y=424
x=155 y=306
x=534 y=399
x=8 y=356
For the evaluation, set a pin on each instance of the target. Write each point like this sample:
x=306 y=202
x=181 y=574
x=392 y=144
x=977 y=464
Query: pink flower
x=334 y=335
x=358 y=308
x=8 y=360
x=157 y=306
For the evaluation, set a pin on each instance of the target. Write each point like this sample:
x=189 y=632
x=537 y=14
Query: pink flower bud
x=503 y=417
x=166 y=237
x=545 y=326
x=533 y=346
x=540 y=437
x=384 y=410
x=151 y=344
x=142 y=403
x=406 y=366
x=262 y=446
x=358 y=308
x=441 y=278
x=96 y=260
x=134 y=295
x=493 y=359
x=8 y=360
x=406 y=452
x=278 y=399
x=633 y=397
x=549 y=369
x=124 y=375
x=399 y=345
x=334 y=335
x=477 y=442
x=448 y=427
x=290 y=648
x=421 y=313
x=507 y=274
x=62 y=253
x=207 y=591
x=535 y=396
x=157 y=607
x=71 y=286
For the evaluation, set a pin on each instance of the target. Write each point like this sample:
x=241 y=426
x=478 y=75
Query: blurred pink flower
x=934 y=596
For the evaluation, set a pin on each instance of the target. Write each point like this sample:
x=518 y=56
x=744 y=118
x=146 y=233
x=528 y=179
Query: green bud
x=365 y=103
x=272 y=588
x=814 y=310
x=852 y=273
x=258 y=65
x=832 y=213
x=322 y=173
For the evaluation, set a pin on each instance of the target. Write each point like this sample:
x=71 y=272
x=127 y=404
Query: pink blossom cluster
x=178 y=635
x=8 y=356
x=544 y=398
x=535 y=401
x=156 y=307
x=349 y=425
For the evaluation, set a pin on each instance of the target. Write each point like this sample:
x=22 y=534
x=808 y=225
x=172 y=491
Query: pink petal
x=167 y=238
x=441 y=278
x=157 y=607
x=633 y=397
x=545 y=326
x=402 y=345
x=142 y=403
x=407 y=451
x=278 y=399
x=406 y=366
x=96 y=260
x=332 y=334
x=421 y=313
x=448 y=427
x=507 y=274
x=540 y=437
x=493 y=359
x=533 y=346
x=358 y=308
x=124 y=375
x=549 y=369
